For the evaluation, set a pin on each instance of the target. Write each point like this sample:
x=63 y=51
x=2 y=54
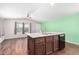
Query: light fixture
x=27 y=14
x=52 y=3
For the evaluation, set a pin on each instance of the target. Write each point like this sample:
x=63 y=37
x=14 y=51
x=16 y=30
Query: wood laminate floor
x=70 y=49
x=19 y=47
x=14 y=47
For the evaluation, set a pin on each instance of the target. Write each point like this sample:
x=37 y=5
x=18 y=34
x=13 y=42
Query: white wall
x=1 y=27
x=9 y=26
x=35 y=27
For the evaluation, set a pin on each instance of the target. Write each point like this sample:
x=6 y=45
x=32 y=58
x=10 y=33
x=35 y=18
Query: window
x=22 y=28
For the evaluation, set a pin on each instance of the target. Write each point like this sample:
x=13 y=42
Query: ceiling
x=38 y=11
x=16 y=10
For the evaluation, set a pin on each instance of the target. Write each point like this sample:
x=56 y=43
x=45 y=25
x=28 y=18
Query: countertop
x=6 y=37
x=33 y=35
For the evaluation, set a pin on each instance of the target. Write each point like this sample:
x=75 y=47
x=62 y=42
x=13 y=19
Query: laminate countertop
x=36 y=35
x=33 y=35
x=6 y=37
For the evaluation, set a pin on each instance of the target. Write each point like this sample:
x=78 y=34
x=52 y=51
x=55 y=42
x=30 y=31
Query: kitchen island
x=46 y=43
x=32 y=44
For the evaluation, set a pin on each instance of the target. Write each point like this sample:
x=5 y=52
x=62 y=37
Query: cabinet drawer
x=38 y=40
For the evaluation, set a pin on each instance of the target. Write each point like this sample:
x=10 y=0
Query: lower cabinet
x=45 y=45
x=49 y=45
x=30 y=46
x=56 y=43
x=40 y=49
x=39 y=46
x=36 y=46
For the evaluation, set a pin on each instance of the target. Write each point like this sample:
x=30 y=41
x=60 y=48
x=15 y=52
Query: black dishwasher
x=61 y=41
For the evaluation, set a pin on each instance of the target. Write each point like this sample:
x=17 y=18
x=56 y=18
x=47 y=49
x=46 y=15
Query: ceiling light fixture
x=52 y=3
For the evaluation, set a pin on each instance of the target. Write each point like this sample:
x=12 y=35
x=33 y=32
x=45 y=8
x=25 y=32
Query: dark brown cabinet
x=36 y=46
x=40 y=46
x=30 y=46
x=45 y=45
x=56 y=43
x=49 y=45
x=40 y=49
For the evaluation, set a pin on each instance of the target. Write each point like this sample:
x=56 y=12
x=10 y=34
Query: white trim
x=72 y=42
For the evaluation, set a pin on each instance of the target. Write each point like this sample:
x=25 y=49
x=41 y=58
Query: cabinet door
x=40 y=49
x=49 y=45
x=56 y=43
x=30 y=46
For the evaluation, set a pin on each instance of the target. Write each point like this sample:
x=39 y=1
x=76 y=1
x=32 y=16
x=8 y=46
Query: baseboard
x=72 y=42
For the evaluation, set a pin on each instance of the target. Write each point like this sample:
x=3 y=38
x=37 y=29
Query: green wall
x=69 y=25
